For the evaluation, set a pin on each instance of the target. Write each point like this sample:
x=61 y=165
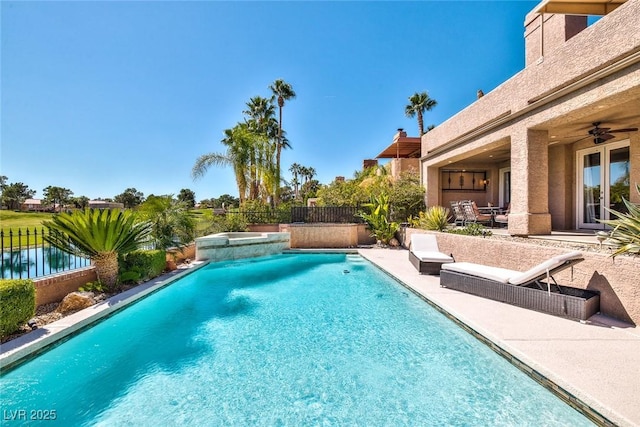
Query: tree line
x=13 y=195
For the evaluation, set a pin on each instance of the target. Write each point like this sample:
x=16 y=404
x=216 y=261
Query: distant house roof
x=32 y=202
x=103 y=204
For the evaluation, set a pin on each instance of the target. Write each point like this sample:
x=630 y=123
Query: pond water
x=36 y=262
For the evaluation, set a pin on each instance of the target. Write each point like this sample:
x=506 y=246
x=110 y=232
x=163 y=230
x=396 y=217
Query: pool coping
x=31 y=344
x=399 y=268
x=21 y=349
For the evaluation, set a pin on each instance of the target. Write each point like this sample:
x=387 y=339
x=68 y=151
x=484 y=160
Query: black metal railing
x=325 y=214
x=25 y=254
x=262 y=217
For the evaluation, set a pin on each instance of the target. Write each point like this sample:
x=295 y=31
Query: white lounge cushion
x=541 y=269
x=424 y=242
x=431 y=256
x=496 y=274
x=536 y=271
x=512 y=277
x=569 y=256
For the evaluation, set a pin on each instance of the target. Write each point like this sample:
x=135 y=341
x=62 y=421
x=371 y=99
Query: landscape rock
x=76 y=301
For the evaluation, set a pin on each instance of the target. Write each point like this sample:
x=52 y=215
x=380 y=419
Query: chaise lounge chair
x=535 y=288
x=425 y=255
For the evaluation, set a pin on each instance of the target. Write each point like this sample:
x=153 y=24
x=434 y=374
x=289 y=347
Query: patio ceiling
x=622 y=115
x=578 y=7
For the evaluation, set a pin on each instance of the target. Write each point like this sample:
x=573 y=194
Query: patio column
x=431 y=183
x=529 y=183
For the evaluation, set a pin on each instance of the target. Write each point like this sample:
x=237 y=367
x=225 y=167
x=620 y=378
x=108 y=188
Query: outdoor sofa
x=534 y=289
x=425 y=255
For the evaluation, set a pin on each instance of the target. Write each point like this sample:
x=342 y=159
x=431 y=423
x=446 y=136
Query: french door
x=603 y=180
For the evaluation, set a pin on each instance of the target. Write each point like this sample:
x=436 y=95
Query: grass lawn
x=10 y=220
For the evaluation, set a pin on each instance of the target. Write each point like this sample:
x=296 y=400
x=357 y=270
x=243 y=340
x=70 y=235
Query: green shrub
x=435 y=218
x=141 y=265
x=378 y=219
x=96 y=286
x=17 y=304
x=472 y=229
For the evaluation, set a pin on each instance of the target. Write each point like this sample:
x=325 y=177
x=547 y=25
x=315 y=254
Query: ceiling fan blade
x=599 y=131
x=606 y=136
x=623 y=130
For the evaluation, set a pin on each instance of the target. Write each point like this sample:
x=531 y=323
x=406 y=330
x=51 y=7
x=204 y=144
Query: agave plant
x=435 y=218
x=378 y=220
x=100 y=235
x=625 y=235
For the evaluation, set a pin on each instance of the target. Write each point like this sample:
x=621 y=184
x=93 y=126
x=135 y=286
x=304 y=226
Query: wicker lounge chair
x=535 y=288
x=425 y=255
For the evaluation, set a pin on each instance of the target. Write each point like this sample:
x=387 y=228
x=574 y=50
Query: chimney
x=369 y=163
x=401 y=133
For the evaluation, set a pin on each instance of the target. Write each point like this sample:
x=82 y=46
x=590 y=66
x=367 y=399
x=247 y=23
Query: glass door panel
x=603 y=182
x=591 y=189
x=619 y=179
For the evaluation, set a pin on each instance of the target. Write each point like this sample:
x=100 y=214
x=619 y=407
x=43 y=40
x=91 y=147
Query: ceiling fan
x=601 y=135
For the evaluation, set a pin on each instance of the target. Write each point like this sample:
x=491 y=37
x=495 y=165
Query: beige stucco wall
x=398 y=166
x=323 y=235
x=615 y=278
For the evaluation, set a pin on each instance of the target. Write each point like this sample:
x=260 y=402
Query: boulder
x=76 y=301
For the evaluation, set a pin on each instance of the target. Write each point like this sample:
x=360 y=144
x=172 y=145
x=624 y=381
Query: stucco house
x=103 y=204
x=35 y=205
x=559 y=141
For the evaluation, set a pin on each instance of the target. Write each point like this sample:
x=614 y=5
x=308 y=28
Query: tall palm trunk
x=106 y=264
x=278 y=150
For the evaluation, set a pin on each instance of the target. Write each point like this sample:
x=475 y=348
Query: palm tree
x=100 y=235
x=418 y=104
x=295 y=170
x=283 y=92
x=309 y=173
x=172 y=223
x=262 y=123
x=239 y=152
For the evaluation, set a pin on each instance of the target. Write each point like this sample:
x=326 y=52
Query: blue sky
x=98 y=97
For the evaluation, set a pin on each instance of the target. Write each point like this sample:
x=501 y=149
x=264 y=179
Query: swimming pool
x=284 y=340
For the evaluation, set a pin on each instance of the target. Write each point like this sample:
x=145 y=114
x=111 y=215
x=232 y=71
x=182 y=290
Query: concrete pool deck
x=598 y=361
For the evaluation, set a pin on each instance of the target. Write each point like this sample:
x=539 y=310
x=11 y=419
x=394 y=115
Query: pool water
x=313 y=339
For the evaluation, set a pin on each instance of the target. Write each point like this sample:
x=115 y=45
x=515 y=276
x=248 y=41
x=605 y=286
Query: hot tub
x=236 y=245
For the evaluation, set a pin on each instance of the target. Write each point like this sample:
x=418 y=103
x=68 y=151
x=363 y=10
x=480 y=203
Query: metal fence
x=25 y=254
x=262 y=217
x=325 y=214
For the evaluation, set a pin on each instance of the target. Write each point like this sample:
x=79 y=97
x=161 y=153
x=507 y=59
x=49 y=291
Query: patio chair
x=425 y=255
x=503 y=218
x=458 y=214
x=472 y=214
x=535 y=288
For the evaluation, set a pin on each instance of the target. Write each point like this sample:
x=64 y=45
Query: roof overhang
x=578 y=7
x=402 y=148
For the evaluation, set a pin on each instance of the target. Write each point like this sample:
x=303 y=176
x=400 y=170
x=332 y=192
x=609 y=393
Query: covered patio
x=559 y=141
